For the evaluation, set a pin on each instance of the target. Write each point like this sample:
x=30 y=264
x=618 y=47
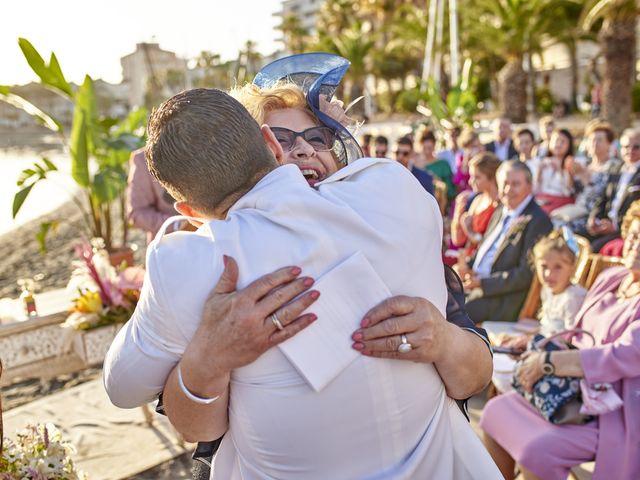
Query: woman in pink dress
x=515 y=432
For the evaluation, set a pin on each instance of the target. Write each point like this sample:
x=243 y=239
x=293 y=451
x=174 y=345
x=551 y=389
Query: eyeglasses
x=634 y=146
x=381 y=153
x=402 y=153
x=321 y=139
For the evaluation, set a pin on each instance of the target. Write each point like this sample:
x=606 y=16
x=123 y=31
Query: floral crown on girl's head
x=560 y=239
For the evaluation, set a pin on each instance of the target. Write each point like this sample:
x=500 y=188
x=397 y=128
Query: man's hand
x=236 y=326
x=597 y=226
x=461 y=268
x=418 y=319
x=471 y=281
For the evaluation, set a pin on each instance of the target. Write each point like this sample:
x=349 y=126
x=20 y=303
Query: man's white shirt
x=486 y=252
x=278 y=424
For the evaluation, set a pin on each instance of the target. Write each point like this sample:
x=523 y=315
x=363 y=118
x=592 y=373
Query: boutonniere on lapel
x=519 y=224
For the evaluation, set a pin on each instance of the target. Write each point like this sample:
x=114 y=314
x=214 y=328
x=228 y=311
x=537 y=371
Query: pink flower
x=131 y=278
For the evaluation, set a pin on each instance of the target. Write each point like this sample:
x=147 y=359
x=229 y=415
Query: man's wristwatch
x=547 y=367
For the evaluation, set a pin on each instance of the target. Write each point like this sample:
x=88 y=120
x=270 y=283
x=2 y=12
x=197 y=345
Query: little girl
x=555 y=258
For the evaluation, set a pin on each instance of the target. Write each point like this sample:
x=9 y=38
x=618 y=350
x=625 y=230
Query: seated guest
x=499 y=276
x=381 y=147
x=471 y=146
x=502 y=146
x=452 y=149
x=469 y=224
x=435 y=166
x=554 y=183
x=525 y=141
x=546 y=126
x=593 y=178
x=515 y=432
x=148 y=203
x=555 y=258
x=622 y=189
x=405 y=155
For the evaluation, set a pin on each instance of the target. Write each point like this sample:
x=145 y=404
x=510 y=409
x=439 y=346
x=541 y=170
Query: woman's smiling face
x=314 y=165
x=631 y=250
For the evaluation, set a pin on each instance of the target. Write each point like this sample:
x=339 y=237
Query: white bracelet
x=191 y=396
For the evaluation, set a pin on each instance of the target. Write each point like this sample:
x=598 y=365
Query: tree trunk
x=573 y=56
x=512 y=94
x=357 y=90
x=618 y=42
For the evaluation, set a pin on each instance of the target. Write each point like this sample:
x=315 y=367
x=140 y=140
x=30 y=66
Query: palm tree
x=355 y=44
x=248 y=62
x=617 y=38
x=511 y=29
x=295 y=36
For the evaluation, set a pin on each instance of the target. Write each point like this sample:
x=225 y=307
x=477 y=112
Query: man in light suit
x=502 y=146
x=621 y=191
x=499 y=276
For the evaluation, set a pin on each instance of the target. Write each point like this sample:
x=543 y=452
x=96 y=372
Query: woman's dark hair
x=566 y=134
x=426 y=136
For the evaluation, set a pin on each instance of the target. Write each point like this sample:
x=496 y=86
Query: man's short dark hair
x=526 y=131
x=206 y=149
x=405 y=141
x=427 y=136
x=382 y=140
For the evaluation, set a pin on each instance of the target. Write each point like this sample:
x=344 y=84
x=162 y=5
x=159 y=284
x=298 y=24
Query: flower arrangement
x=107 y=295
x=39 y=453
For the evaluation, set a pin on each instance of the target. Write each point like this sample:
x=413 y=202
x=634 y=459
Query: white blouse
x=553 y=182
x=559 y=311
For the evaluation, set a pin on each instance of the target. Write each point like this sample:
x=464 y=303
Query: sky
x=90 y=36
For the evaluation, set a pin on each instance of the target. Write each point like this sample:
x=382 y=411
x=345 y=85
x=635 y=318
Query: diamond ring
x=405 y=346
x=276 y=321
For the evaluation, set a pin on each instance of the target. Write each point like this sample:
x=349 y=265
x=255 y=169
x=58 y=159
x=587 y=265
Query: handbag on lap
x=558 y=399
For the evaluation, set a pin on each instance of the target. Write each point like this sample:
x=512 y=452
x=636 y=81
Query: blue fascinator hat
x=316 y=74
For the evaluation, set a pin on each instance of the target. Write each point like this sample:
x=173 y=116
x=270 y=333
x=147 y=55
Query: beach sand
x=20 y=255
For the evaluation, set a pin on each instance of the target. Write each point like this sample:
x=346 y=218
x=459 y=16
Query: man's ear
x=272 y=143
x=188 y=211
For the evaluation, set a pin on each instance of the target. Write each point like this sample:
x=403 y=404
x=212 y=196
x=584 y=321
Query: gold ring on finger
x=276 y=321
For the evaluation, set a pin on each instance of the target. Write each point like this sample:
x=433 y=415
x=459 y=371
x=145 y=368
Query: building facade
x=151 y=70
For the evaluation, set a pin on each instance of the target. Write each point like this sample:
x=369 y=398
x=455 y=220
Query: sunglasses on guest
x=634 y=146
x=402 y=153
x=321 y=139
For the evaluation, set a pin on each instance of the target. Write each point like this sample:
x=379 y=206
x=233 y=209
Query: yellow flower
x=89 y=302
